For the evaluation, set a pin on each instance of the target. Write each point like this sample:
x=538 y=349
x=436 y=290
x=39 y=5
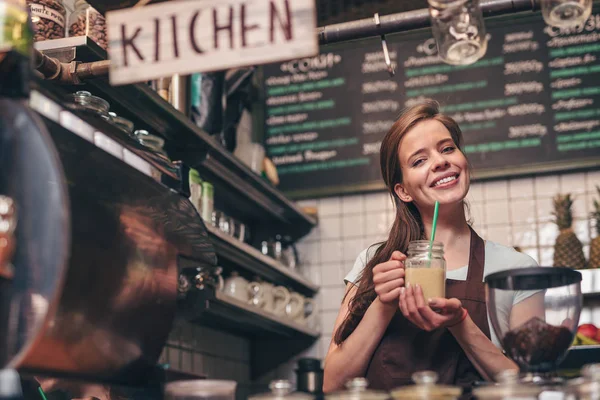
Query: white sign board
x=182 y=37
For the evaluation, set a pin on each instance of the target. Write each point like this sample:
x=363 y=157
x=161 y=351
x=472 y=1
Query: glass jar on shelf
x=86 y=21
x=122 y=123
x=48 y=18
x=92 y=103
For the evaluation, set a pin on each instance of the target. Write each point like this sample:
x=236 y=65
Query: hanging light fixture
x=458 y=30
x=566 y=13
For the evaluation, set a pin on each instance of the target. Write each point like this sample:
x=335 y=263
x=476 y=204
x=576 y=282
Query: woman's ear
x=402 y=194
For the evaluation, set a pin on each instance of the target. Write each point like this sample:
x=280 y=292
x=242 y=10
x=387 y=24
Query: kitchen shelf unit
x=253 y=261
x=238 y=190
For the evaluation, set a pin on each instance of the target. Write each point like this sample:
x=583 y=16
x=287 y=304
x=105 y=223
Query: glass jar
x=281 y=389
x=459 y=30
x=151 y=141
x=426 y=267
x=92 y=103
x=48 y=17
x=357 y=390
x=122 y=123
x=425 y=388
x=86 y=21
x=587 y=387
x=508 y=386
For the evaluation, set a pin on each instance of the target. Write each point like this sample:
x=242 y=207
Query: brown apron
x=405 y=349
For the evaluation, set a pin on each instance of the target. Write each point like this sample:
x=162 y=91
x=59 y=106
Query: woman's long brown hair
x=407 y=225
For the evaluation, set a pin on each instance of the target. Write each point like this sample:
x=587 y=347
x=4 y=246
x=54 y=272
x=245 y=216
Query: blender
x=538 y=330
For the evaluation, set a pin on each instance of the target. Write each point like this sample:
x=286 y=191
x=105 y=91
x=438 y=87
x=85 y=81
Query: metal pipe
x=406 y=21
x=70 y=73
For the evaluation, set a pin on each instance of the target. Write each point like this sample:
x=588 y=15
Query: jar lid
x=199 y=389
x=149 y=140
x=81 y=3
x=588 y=385
x=281 y=389
x=508 y=387
x=93 y=103
x=357 y=390
x=425 y=387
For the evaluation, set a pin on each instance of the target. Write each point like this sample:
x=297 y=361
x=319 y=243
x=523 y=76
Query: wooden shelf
x=217 y=310
x=238 y=190
x=246 y=257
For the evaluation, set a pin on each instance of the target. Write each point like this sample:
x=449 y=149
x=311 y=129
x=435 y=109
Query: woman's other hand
x=449 y=312
x=388 y=278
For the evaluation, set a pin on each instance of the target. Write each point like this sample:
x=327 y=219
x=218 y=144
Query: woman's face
x=433 y=168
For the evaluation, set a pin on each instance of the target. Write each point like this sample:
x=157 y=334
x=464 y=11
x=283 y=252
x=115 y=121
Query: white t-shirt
x=497 y=258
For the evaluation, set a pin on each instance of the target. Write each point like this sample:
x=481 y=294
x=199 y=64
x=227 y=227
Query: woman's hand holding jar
x=388 y=278
x=448 y=312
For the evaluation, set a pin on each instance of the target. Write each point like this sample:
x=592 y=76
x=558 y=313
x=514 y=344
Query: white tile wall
x=515 y=212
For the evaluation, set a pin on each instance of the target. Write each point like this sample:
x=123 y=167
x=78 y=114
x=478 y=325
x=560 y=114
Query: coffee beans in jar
x=86 y=21
x=48 y=17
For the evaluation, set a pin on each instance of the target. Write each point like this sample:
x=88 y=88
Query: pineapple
x=568 y=251
x=594 y=261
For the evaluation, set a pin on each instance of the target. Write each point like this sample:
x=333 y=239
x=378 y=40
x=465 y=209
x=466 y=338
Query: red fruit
x=588 y=330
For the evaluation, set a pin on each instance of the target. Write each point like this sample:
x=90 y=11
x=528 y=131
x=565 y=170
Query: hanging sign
x=182 y=37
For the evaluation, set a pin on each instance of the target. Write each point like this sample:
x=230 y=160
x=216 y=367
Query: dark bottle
x=16 y=45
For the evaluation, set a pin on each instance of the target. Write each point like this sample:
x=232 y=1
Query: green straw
x=433 y=226
x=42 y=393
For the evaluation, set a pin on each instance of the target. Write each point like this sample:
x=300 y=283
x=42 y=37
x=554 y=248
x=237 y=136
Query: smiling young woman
x=386 y=331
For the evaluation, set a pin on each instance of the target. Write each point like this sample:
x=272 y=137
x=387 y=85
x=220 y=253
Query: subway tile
x=313 y=274
x=476 y=192
x=579 y=207
x=331 y=251
x=524 y=235
x=586 y=316
x=547 y=233
x=353 y=204
x=331 y=274
x=353 y=225
x=328 y=322
x=352 y=248
x=329 y=206
x=582 y=230
x=521 y=188
x=331 y=298
x=307 y=203
x=186 y=361
x=198 y=363
x=309 y=253
x=496 y=213
x=499 y=234
x=544 y=207
x=573 y=183
x=324 y=342
x=377 y=225
x=547 y=186
x=532 y=252
x=174 y=359
x=330 y=227
x=547 y=256
x=477 y=214
x=496 y=190
x=593 y=180
x=522 y=210
x=376 y=202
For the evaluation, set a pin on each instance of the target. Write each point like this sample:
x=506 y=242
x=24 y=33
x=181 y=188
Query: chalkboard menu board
x=532 y=104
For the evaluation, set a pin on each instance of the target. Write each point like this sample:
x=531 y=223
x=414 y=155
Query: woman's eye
x=448 y=149
x=417 y=162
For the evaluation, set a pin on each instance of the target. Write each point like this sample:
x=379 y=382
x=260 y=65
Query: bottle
x=426 y=267
x=86 y=21
x=16 y=46
x=207 y=201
